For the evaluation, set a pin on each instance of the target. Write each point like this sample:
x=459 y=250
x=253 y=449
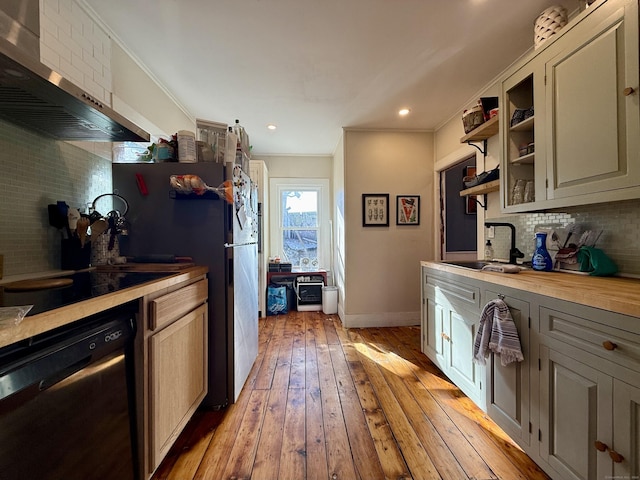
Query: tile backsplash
x=619 y=221
x=34 y=172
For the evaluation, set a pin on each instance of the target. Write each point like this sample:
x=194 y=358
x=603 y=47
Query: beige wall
x=338 y=263
x=382 y=264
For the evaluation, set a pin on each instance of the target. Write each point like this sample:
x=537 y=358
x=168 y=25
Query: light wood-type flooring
x=325 y=402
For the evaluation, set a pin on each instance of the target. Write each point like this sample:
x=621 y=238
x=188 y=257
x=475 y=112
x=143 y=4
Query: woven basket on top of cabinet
x=548 y=23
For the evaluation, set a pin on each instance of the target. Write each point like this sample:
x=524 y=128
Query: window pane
x=301 y=247
x=299 y=209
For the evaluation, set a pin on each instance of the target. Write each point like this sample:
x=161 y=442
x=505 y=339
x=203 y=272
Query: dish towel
x=497 y=333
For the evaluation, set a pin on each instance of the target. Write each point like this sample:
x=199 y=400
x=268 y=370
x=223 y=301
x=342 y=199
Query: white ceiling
x=312 y=67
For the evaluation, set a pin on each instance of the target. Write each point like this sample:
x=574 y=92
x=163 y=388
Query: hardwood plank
x=315 y=437
x=365 y=459
x=391 y=459
x=243 y=453
x=401 y=380
x=264 y=376
x=267 y=459
x=417 y=458
x=192 y=451
x=339 y=461
x=222 y=442
x=293 y=453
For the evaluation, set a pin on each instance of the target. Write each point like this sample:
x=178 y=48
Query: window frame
x=319 y=185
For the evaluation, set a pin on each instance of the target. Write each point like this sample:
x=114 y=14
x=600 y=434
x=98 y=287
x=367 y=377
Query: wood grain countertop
x=43 y=322
x=615 y=294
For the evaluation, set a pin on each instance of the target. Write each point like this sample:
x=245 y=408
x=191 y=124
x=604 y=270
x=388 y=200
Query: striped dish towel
x=497 y=333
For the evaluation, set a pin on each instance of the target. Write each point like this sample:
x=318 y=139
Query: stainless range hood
x=40 y=99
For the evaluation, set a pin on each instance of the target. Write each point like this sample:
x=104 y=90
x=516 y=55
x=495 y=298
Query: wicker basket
x=548 y=23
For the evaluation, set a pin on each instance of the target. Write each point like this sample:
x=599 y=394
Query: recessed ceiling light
x=404 y=112
x=271 y=126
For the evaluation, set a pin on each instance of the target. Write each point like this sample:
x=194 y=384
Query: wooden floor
x=324 y=402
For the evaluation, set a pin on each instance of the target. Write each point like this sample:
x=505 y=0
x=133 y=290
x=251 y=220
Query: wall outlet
x=491 y=232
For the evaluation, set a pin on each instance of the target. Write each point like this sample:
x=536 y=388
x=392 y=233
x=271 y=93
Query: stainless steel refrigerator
x=215 y=233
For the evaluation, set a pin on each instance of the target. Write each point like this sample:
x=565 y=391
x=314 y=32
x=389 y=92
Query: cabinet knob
x=602 y=447
x=628 y=91
x=609 y=345
x=615 y=456
x=445 y=336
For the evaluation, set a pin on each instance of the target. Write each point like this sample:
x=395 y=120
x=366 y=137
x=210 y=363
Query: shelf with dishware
x=485 y=188
x=528 y=159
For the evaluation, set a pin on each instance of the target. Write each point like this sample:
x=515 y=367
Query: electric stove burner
x=85 y=285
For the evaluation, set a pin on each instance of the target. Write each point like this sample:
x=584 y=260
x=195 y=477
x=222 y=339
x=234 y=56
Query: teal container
x=541 y=259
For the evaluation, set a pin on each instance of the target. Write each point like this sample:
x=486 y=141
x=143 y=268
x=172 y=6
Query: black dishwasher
x=67 y=402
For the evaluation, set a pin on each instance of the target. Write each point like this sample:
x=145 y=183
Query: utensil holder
x=100 y=253
x=74 y=256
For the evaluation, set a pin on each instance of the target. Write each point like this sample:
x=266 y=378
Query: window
x=301 y=224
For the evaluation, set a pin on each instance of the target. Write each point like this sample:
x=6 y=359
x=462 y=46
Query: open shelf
x=488 y=187
x=484 y=131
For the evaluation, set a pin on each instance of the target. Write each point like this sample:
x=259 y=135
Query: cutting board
x=37 y=284
x=145 y=267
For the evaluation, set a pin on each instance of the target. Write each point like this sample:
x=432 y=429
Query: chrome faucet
x=514 y=253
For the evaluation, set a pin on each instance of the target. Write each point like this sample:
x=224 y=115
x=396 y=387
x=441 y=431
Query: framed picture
x=375 y=209
x=408 y=210
x=470 y=204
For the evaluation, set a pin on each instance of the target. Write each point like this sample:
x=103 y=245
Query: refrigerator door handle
x=231 y=245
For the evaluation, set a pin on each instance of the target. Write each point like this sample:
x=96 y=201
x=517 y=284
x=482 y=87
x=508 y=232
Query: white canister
x=187 y=147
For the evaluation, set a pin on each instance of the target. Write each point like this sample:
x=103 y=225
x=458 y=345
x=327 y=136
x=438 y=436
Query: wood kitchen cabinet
x=176 y=366
x=585 y=131
x=451 y=315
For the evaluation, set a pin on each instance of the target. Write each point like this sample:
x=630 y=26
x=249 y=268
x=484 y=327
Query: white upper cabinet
x=585 y=135
x=591 y=90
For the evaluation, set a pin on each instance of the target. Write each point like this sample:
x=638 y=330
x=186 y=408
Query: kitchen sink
x=472 y=264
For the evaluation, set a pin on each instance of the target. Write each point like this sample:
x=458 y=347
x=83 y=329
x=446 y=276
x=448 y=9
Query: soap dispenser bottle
x=488 y=251
x=541 y=259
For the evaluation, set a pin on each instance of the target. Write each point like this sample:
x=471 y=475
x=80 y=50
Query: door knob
x=615 y=456
x=602 y=447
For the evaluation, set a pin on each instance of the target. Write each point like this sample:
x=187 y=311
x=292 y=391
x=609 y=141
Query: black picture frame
x=407 y=209
x=375 y=209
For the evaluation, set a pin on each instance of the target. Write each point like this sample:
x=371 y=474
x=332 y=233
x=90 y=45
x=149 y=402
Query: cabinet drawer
x=616 y=345
x=174 y=305
x=451 y=293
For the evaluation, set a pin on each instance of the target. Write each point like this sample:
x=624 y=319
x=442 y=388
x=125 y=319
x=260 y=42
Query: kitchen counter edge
x=43 y=322
x=614 y=294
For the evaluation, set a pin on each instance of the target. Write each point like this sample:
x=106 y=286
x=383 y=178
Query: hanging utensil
x=98 y=228
x=81 y=229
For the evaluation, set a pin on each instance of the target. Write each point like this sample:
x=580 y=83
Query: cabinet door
x=507 y=387
x=575 y=412
x=433 y=331
x=626 y=430
x=592 y=135
x=460 y=328
x=178 y=379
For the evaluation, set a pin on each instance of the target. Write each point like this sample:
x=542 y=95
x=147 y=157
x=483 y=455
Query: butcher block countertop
x=43 y=322
x=615 y=294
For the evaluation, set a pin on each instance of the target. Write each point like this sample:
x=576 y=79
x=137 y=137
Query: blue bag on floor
x=276 y=300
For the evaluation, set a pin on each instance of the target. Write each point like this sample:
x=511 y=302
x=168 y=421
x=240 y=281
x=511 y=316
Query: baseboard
x=373 y=320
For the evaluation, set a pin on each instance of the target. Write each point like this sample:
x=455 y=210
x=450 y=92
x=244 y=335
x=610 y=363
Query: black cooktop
x=85 y=285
